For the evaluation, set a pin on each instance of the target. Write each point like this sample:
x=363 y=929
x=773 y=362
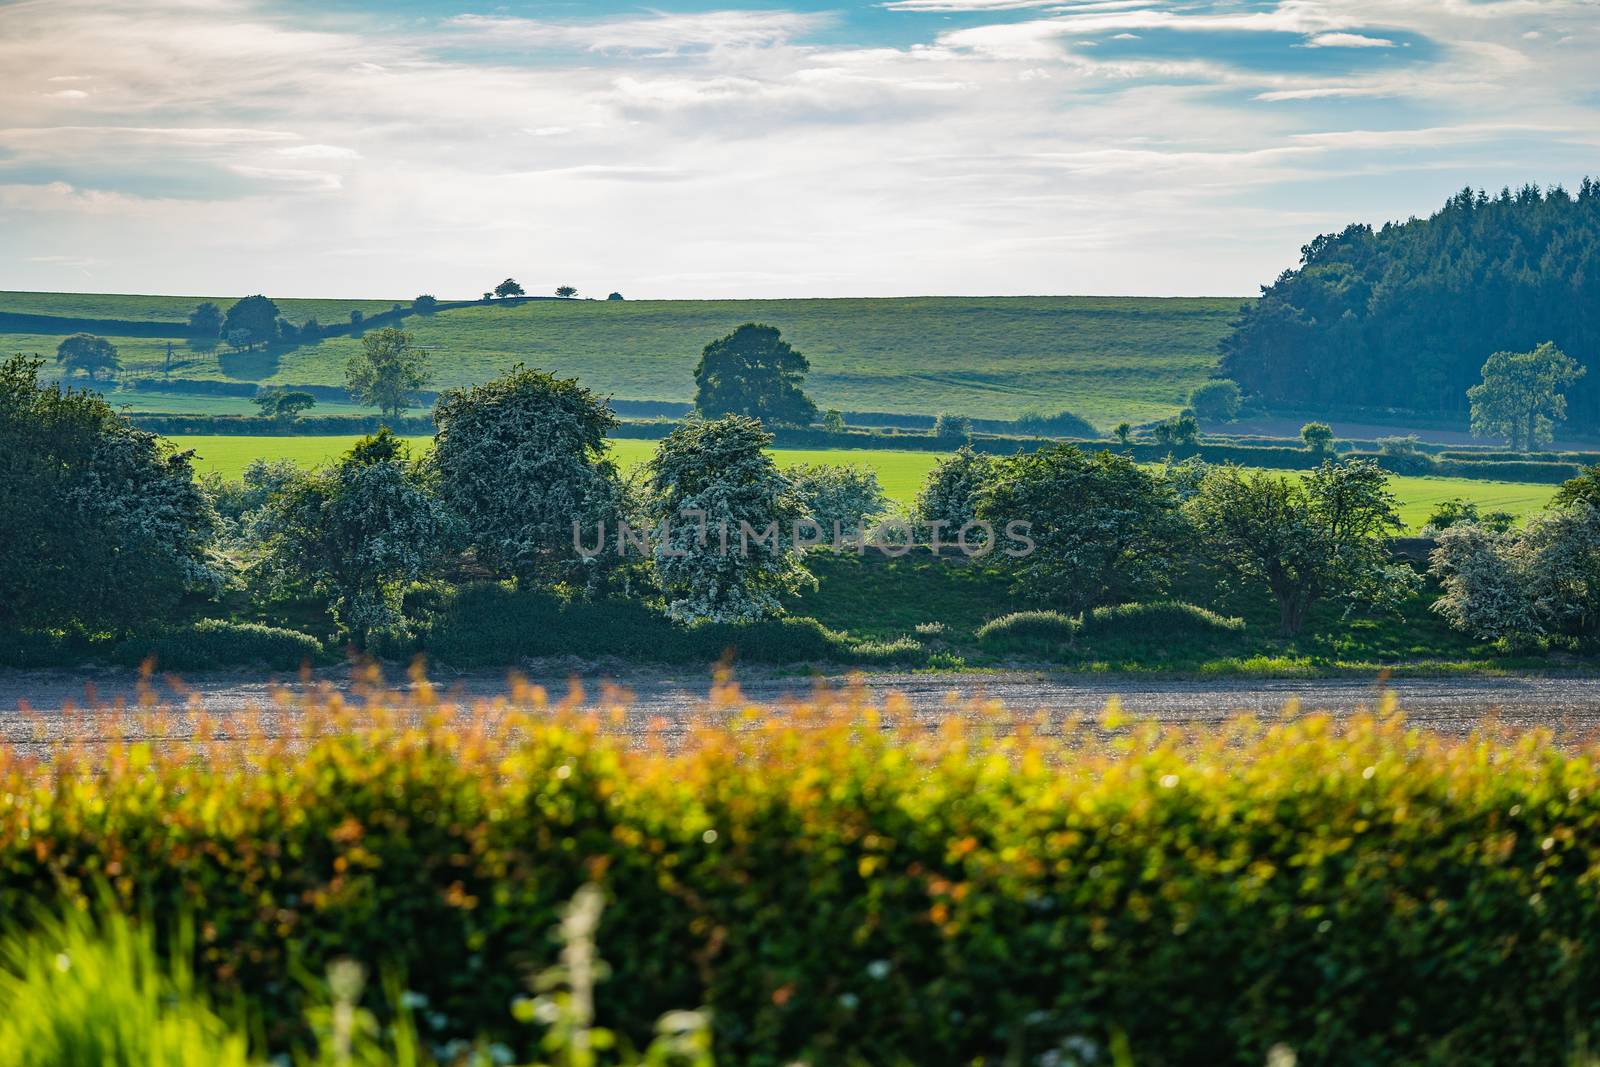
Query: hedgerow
x=489 y=624
x=1028 y=627
x=220 y=643
x=838 y=886
x=1161 y=619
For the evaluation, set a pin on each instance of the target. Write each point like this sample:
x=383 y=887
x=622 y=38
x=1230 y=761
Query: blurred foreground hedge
x=840 y=884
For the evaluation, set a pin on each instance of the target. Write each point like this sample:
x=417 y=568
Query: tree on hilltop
x=253 y=320
x=508 y=288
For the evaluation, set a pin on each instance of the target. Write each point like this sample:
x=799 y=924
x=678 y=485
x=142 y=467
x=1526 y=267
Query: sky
x=694 y=149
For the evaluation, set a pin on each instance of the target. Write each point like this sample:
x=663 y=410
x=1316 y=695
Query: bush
x=1028 y=628
x=490 y=625
x=902 y=651
x=859 y=891
x=1038 y=424
x=1158 y=620
x=1216 y=400
x=218 y=643
x=1403 y=455
x=951 y=428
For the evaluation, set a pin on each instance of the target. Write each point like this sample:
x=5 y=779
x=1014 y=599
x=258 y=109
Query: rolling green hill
x=1104 y=358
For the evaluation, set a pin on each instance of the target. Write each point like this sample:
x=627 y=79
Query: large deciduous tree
x=1319 y=536
x=1104 y=528
x=355 y=532
x=754 y=372
x=84 y=353
x=253 y=320
x=508 y=288
x=387 y=370
x=728 y=515
x=522 y=459
x=101 y=525
x=1523 y=395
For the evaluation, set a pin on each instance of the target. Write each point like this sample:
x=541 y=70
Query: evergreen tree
x=1405 y=315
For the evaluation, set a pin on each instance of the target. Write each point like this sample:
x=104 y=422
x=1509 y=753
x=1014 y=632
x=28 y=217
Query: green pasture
x=1106 y=359
x=901 y=473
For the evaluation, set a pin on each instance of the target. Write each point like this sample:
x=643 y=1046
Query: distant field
x=900 y=473
x=1104 y=358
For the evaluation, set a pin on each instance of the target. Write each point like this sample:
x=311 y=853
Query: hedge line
x=841 y=894
x=255 y=425
x=200 y=645
x=489 y=624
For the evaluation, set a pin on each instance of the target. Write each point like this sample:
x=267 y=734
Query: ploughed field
x=901 y=473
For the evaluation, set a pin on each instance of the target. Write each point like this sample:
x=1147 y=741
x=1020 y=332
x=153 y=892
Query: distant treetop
x=1405 y=315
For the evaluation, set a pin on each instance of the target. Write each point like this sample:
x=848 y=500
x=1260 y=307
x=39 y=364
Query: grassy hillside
x=901 y=473
x=1106 y=359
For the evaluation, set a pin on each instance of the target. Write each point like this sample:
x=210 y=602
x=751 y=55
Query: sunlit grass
x=1104 y=358
x=900 y=472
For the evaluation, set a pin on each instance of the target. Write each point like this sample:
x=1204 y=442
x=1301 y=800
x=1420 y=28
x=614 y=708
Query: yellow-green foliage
x=833 y=881
x=74 y=993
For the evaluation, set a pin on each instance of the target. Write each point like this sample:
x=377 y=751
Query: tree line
x=104 y=527
x=1407 y=315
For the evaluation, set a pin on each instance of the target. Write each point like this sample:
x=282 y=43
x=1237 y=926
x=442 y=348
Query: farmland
x=1106 y=359
x=901 y=473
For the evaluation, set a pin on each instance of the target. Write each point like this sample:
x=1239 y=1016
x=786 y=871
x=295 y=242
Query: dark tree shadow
x=252 y=364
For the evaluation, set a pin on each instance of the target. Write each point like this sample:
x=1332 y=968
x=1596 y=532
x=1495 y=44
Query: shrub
x=1318 y=437
x=1216 y=400
x=788 y=639
x=355 y=532
x=1028 y=627
x=1158 y=620
x=952 y=428
x=1061 y=424
x=864 y=890
x=490 y=625
x=838 y=496
x=902 y=651
x=218 y=643
x=1403 y=455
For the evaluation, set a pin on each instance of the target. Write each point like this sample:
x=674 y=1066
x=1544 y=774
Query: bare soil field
x=40 y=710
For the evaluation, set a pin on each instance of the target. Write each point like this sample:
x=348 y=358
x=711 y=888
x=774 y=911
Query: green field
x=900 y=473
x=1104 y=358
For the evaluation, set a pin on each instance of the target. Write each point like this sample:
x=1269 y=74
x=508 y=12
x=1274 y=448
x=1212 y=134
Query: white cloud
x=1347 y=40
x=229 y=147
x=319 y=151
x=662 y=33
